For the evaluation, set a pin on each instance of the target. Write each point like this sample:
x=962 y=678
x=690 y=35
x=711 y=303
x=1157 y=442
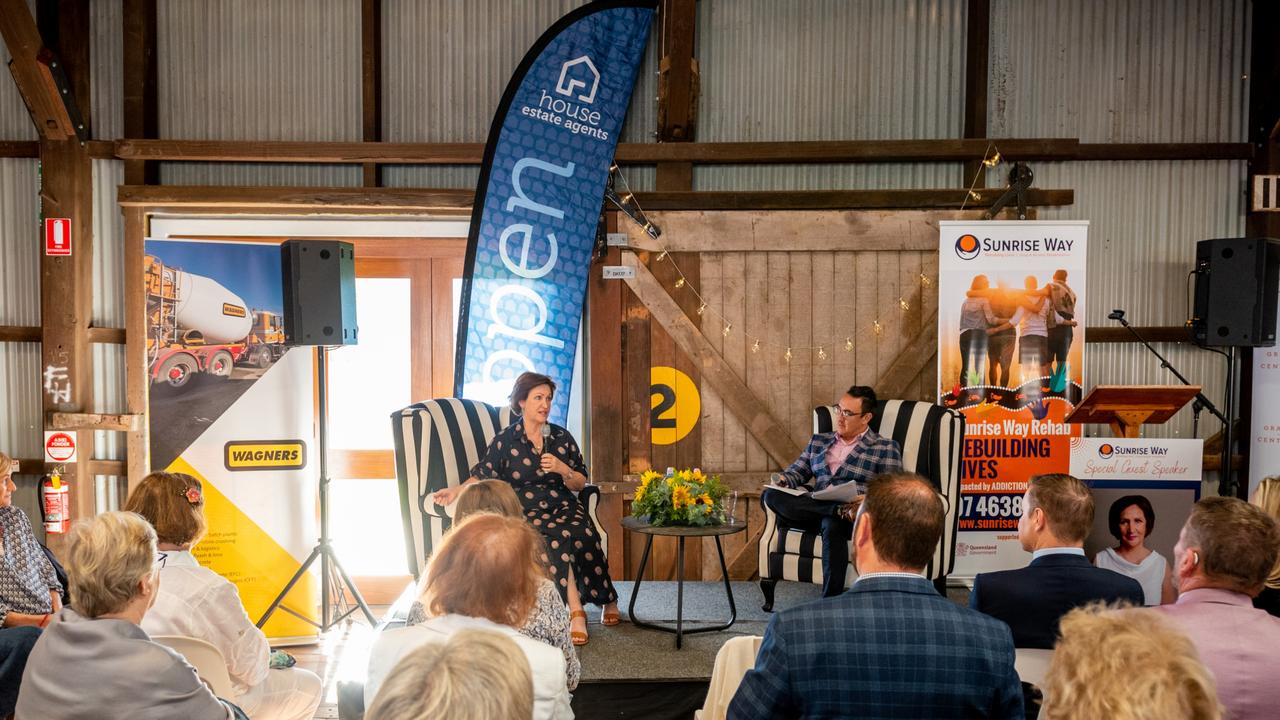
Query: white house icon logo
x=568 y=84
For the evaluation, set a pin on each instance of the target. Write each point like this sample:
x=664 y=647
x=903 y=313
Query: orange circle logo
x=967 y=247
x=1105 y=450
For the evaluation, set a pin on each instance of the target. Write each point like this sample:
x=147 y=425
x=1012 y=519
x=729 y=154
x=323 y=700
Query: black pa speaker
x=319 y=292
x=1236 y=292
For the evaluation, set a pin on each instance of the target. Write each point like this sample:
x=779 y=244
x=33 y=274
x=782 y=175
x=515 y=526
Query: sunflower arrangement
x=682 y=497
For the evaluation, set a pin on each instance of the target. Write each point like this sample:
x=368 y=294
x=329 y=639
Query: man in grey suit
x=890 y=646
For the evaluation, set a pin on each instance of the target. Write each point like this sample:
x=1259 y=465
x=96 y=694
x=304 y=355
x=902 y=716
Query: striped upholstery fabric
x=931 y=438
x=437 y=443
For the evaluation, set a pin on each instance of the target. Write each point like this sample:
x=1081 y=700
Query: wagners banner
x=1011 y=309
x=539 y=197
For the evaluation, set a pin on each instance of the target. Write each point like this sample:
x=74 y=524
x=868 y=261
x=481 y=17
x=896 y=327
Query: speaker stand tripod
x=334 y=581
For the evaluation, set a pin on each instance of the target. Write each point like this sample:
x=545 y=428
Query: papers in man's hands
x=832 y=493
x=787 y=490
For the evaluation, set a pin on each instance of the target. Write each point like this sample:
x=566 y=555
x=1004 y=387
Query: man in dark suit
x=1057 y=513
x=891 y=646
x=853 y=453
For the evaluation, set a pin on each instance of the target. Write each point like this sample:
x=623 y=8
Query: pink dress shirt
x=840 y=450
x=1237 y=642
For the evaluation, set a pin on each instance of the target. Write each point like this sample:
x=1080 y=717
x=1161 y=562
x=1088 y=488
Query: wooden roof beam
x=36 y=71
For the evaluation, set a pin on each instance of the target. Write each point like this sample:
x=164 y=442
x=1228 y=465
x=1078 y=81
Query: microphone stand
x=1201 y=402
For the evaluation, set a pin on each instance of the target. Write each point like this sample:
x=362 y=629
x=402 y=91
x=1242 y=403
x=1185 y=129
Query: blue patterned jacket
x=874 y=454
x=889 y=647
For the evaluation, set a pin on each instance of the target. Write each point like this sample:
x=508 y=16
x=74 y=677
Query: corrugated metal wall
x=106 y=48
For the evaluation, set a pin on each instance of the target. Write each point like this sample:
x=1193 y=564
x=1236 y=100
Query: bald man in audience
x=1224 y=554
x=891 y=646
x=1057 y=514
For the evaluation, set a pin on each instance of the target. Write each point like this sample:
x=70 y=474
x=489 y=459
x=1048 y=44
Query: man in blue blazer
x=1057 y=513
x=853 y=453
x=891 y=647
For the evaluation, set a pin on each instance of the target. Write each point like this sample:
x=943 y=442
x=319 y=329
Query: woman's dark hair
x=526 y=383
x=1117 y=507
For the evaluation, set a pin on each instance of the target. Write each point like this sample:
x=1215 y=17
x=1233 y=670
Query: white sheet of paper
x=787 y=490
x=837 y=493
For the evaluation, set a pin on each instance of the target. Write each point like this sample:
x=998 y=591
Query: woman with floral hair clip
x=194 y=601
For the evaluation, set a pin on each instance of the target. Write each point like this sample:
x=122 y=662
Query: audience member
x=1267 y=497
x=891 y=646
x=476 y=675
x=1057 y=513
x=29 y=591
x=96 y=661
x=1225 y=553
x=196 y=602
x=1126 y=664
x=549 y=621
x=485 y=575
x=1130 y=520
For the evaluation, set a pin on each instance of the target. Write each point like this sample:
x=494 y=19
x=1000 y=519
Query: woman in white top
x=484 y=576
x=197 y=602
x=1131 y=519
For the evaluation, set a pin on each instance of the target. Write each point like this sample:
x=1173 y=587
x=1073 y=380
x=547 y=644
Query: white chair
x=205 y=658
x=1032 y=664
x=735 y=658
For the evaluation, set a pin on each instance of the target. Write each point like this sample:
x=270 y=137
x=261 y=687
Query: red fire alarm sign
x=60 y=446
x=57 y=236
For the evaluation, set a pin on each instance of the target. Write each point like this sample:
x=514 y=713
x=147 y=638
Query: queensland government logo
x=968 y=247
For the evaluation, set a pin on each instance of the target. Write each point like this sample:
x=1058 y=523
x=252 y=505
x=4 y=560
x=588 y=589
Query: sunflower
x=680 y=497
x=697 y=475
x=705 y=499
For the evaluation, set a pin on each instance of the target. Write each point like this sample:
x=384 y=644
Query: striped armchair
x=437 y=443
x=931 y=438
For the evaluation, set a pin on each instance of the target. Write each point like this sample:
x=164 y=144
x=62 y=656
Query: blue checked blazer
x=874 y=454
x=889 y=647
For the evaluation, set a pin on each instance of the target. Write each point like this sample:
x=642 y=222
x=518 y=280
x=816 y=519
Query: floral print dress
x=552 y=509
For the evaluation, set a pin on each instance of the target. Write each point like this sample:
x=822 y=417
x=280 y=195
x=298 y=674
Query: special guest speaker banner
x=538 y=201
x=1011 y=308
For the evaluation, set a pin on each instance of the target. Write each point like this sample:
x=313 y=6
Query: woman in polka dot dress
x=544 y=465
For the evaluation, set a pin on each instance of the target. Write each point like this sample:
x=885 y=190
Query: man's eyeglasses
x=847 y=413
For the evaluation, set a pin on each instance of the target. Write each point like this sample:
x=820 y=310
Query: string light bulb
x=973 y=195
x=662 y=256
x=787 y=356
x=680 y=282
x=613 y=167
x=702 y=307
x=755 y=346
x=902 y=303
x=925 y=280
x=848 y=344
x=627 y=198
x=992 y=161
x=727 y=328
x=876 y=327
x=822 y=353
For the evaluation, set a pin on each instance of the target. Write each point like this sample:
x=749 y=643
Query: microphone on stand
x=1116 y=314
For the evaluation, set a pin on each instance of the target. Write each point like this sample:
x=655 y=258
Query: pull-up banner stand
x=538 y=200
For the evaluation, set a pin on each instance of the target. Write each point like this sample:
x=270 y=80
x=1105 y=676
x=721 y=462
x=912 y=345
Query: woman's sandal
x=578 y=638
x=610 y=618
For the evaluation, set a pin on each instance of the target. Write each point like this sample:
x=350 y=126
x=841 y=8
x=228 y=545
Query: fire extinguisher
x=55 y=503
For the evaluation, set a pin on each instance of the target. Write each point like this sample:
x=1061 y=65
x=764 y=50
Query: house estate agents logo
x=579 y=81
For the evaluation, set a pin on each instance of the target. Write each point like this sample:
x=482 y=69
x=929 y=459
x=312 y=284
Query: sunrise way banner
x=538 y=201
x=1011 y=310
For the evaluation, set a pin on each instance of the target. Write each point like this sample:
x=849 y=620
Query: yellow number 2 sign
x=674 y=405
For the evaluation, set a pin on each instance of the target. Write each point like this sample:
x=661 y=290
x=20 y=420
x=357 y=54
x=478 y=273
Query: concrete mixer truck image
x=196 y=325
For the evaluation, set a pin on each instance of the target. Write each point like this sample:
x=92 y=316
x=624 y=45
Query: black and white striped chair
x=931 y=438
x=437 y=443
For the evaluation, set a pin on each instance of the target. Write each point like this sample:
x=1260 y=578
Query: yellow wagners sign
x=241 y=455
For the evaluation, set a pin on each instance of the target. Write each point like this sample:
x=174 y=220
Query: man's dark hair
x=1122 y=504
x=909 y=518
x=1067 y=504
x=866 y=393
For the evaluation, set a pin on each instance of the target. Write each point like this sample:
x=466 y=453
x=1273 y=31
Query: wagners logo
x=242 y=455
x=967 y=247
x=233 y=310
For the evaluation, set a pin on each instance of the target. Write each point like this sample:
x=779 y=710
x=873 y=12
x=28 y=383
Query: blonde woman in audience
x=549 y=621
x=96 y=661
x=1127 y=664
x=29 y=589
x=1267 y=497
x=196 y=602
x=484 y=576
x=476 y=675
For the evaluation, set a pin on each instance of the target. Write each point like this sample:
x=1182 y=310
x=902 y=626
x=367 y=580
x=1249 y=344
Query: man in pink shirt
x=1224 y=554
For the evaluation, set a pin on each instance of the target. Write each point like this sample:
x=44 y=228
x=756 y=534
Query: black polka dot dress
x=552 y=509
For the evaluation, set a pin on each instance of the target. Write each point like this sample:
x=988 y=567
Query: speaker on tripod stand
x=1237 y=280
x=320 y=310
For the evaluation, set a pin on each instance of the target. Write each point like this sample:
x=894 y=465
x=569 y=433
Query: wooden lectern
x=1127 y=407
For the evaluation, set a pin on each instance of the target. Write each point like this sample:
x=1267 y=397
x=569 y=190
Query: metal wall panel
x=108 y=245
x=109 y=397
x=106 y=77
x=1131 y=364
x=260 y=174
x=21 y=427
x=830 y=70
x=247 y=70
x=19 y=241
x=15 y=123
x=1120 y=70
